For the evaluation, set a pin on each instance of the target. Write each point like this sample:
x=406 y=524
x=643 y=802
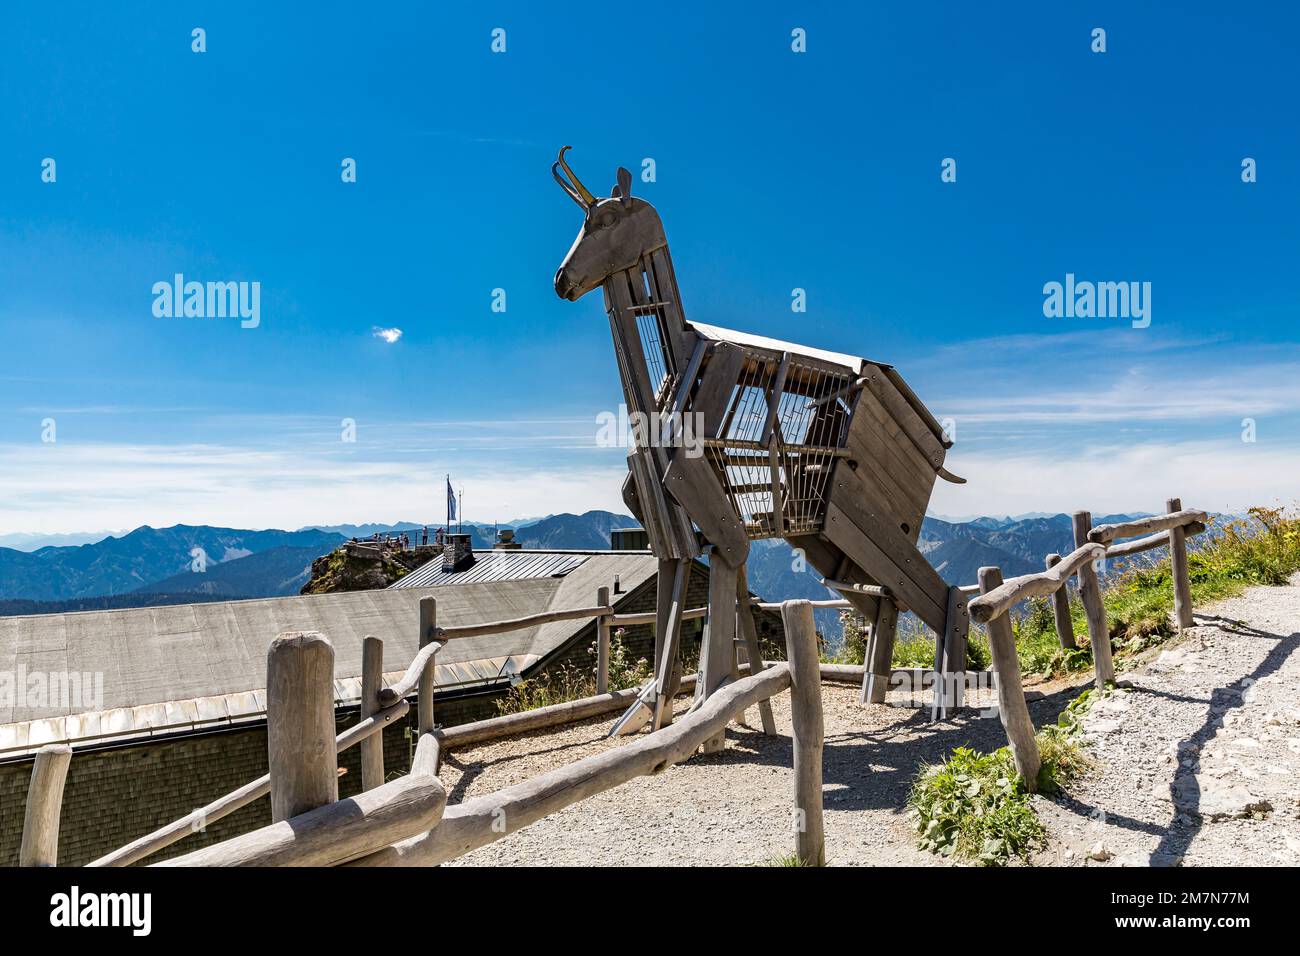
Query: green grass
x=1263 y=548
x=913 y=645
x=790 y=859
x=974 y=806
x=559 y=684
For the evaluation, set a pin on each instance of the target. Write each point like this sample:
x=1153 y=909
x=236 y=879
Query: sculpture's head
x=614 y=236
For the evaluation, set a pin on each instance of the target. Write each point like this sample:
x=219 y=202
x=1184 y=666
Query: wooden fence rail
x=228 y=803
x=311 y=826
x=483 y=820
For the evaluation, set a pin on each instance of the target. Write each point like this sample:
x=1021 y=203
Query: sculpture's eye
x=607 y=219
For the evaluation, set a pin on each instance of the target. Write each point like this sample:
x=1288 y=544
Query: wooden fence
x=997 y=597
x=406 y=821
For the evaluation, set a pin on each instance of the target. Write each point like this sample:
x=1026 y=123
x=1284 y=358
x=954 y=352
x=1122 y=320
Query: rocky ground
x=1196 y=764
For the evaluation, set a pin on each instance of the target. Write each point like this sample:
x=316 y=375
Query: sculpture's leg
x=950 y=690
x=752 y=650
x=880 y=653
x=668 y=633
x=719 y=648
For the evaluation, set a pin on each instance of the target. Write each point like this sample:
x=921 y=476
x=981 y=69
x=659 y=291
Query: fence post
x=40 y=844
x=1090 y=595
x=301 y=750
x=1061 y=610
x=428 y=634
x=602 y=643
x=808 y=730
x=1178 y=564
x=372 y=748
x=1012 y=709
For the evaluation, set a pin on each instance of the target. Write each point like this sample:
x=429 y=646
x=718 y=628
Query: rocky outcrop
x=365 y=566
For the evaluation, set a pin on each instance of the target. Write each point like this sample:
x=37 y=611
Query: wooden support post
x=40 y=843
x=808 y=730
x=937 y=707
x=718 y=651
x=753 y=651
x=1178 y=564
x=674 y=582
x=300 y=745
x=428 y=679
x=1090 y=595
x=372 y=748
x=1012 y=709
x=951 y=691
x=1061 y=610
x=602 y=643
x=880 y=653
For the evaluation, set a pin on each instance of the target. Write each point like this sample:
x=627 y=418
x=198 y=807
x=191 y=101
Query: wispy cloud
x=68 y=487
x=388 y=335
x=1073 y=378
x=1224 y=476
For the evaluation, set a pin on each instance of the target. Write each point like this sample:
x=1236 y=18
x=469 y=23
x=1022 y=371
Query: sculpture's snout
x=564 y=286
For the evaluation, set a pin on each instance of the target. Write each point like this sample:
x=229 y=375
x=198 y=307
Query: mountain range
x=150 y=566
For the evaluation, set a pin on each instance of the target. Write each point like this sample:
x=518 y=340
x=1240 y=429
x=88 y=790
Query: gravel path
x=1199 y=762
x=1237 y=747
x=733 y=808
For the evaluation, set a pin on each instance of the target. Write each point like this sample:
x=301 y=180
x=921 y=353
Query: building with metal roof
x=186 y=667
x=496 y=565
x=182 y=714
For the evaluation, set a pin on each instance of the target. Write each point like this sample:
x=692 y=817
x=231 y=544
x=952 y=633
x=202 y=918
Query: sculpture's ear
x=624 y=186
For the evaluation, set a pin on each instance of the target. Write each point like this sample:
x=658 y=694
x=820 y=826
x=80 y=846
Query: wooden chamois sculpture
x=832 y=452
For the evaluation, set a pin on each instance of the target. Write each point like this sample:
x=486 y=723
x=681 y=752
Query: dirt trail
x=1199 y=762
x=1189 y=760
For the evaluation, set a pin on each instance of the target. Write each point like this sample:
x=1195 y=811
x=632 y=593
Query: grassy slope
x=973 y=806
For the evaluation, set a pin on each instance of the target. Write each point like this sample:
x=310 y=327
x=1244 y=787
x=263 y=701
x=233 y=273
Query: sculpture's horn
x=564 y=184
x=584 y=194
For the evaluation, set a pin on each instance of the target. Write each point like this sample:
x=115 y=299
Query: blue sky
x=774 y=170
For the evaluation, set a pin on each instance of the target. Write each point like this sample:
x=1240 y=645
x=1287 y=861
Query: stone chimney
x=458 y=553
x=506 y=541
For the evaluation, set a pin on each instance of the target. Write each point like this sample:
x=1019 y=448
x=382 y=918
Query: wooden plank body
x=888 y=558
